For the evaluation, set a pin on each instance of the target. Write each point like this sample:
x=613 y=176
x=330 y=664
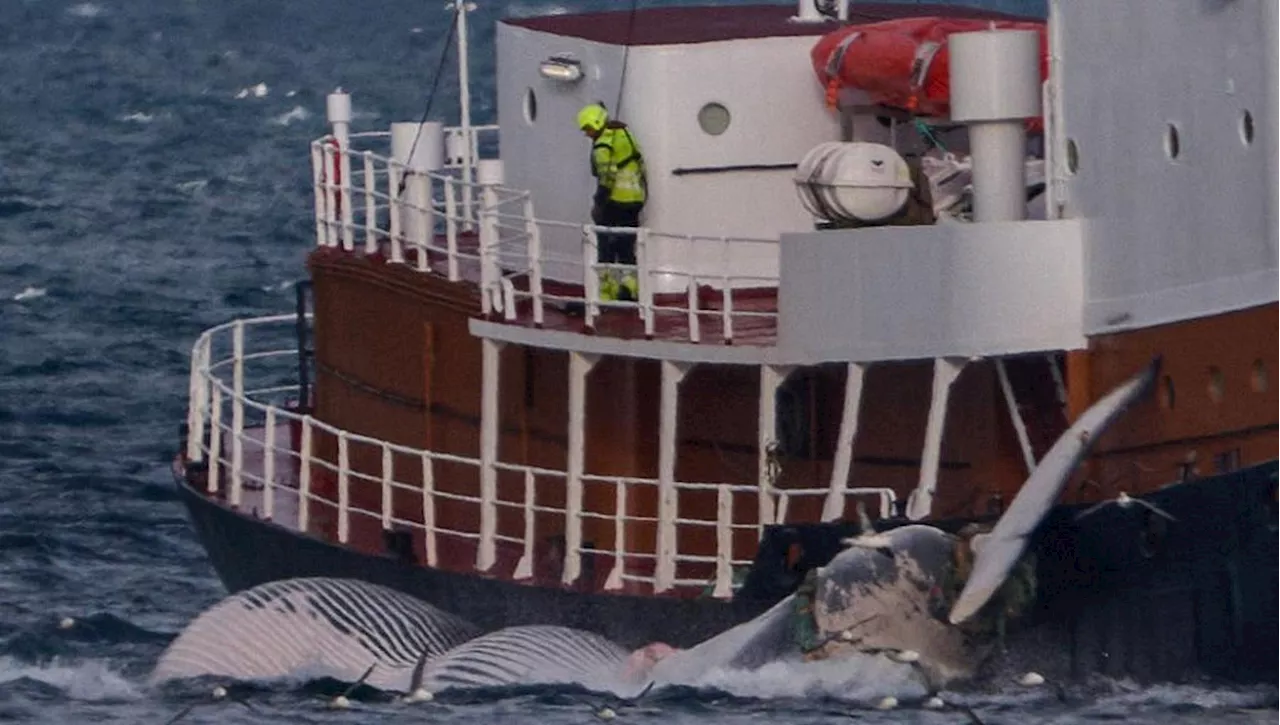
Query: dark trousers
x=618 y=248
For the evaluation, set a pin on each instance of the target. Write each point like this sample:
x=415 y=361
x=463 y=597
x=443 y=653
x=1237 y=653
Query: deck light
x=561 y=68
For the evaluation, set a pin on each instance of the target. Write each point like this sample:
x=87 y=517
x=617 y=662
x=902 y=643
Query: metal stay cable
x=435 y=85
x=626 y=55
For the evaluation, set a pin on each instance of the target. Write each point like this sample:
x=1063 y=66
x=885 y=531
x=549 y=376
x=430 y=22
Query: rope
x=923 y=129
x=435 y=84
x=626 y=55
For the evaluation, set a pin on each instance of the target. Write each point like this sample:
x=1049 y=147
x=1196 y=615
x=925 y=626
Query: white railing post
x=197 y=390
x=771 y=377
x=524 y=568
x=724 y=543
x=304 y=475
x=784 y=500
x=833 y=507
x=645 y=278
x=489 y=412
x=215 y=439
x=945 y=372
x=331 y=202
x=237 y=413
x=590 y=279
x=695 y=334
x=614 y=582
x=726 y=291
x=668 y=495
x=451 y=227
x=344 y=488
x=370 y=205
x=388 y=475
x=321 y=192
x=269 y=466
x=580 y=365
x=429 y=508
x=394 y=227
x=535 y=259
x=490 y=267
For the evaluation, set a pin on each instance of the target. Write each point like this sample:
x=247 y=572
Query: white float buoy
x=606 y=713
x=340 y=703
x=887 y=703
x=905 y=656
x=219 y=692
x=66 y=623
x=419 y=695
x=934 y=703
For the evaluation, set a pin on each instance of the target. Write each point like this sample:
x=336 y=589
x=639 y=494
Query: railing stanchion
x=198 y=389
x=429 y=508
x=237 y=413
x=370 y=205
x=724 y=543
x=215 y=439
x=691 y=293
x=344 y=488
x=304 y=474
x=590 y=278
x=645 y=280
x=388 y=476
x=614 y=582
x=524 y=568
x=269 y=466
x=535 y=260
x=394 y=226
x=451 y=227
x=318 y=185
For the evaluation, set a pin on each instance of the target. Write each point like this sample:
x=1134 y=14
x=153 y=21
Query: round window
x=530 y=106
x=713 y=118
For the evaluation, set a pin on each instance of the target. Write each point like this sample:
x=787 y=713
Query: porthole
x=714 y=119
x=1217 y=385
x=1167 y=396
x=1246 y=127
x=530 y=106
x=1073 y=156
x=1258 y=380
x=1172 y=142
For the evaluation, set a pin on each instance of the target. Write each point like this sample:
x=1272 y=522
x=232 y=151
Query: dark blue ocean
x=154 y=182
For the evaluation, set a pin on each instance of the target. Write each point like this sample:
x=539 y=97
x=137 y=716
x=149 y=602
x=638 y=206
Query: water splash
x=88 y=680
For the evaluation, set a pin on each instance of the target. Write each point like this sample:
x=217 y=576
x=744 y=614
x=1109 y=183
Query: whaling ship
x=891 y=253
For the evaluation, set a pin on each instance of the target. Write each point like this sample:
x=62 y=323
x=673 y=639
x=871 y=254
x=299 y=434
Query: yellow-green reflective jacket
x=617 y=163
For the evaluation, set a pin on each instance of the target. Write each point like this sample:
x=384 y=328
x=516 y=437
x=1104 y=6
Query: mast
x=462 y=7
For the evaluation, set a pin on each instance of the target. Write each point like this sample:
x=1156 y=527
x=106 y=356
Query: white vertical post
x=580 y=365
x=590 y=278
x=668 y=496
x=318 y=161
x=771 y=377
x=451 y=227
x=370 y=205
x=304 y=474
x=464 y=100
x=833 y=507
x=269 y=466
x=419 y=150
x=945 y=372
x=338 y=111
x=724 y=543
x=489 y=412
x=388 y=476
x=1015 y=417
x=344 y=488
x=524 y=567
x=395 y=209
x=614 y=582
x=726 y=290
x=237 y=413
x=645 y=279
x=535 y=259
x=215 y=438
x=196 y=391
x=695 y=334
x=429 y=508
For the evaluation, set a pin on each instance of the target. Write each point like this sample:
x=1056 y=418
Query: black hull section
x=1120 y=592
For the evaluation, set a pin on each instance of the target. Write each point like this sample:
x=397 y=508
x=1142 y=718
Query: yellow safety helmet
x=593 y=117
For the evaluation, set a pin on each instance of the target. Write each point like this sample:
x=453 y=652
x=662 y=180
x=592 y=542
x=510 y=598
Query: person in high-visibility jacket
x=621 y=191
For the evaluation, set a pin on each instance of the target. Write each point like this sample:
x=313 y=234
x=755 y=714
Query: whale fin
x=1002 y=548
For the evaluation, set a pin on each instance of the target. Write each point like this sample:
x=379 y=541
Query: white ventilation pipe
x=419 y=148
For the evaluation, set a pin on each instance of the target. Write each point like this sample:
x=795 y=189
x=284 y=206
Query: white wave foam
x=30 y=293
x=85 y=10
x=857 y=679
x=297 y=113
x=259 y=91
x=137 y=117
x=193 y=186
x=529 y=10
x=91 y=680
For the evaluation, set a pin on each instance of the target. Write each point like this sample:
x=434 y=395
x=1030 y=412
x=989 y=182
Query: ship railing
x=489 y=233
x=260 y=454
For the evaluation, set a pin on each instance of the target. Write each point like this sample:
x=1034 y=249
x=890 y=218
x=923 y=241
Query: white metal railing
x=235 y=419
x=380 y=206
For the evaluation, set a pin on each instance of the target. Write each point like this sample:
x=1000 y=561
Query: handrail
x=368 y=198
x=231 y=420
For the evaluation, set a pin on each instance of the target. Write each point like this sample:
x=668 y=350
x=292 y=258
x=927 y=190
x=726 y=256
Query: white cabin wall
x=1170 y=239
x=777 y=114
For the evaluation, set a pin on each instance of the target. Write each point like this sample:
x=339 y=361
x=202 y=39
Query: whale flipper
x=312 y=628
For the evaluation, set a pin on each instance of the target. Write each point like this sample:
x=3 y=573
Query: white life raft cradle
x=865 y=184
